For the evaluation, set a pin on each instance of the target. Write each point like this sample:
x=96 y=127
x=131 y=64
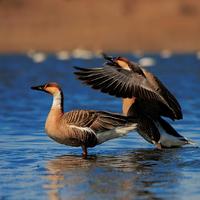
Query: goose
x=84 y=128
x=143 y=95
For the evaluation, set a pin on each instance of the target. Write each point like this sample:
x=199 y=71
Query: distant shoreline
x=111 y=26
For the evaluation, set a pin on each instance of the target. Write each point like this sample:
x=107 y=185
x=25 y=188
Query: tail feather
x=192 y=143
x=170 y=137
x=115 y=133
x=168 y=128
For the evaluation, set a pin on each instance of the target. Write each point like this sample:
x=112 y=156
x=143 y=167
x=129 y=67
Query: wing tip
x=78 y=68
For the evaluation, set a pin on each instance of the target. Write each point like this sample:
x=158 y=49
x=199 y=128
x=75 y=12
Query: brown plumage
x=85 y=128
x=132 y=81
x=144 y=97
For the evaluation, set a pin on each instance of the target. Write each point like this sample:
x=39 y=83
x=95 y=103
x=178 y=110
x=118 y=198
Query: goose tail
x=191 y=142
x=116 y=132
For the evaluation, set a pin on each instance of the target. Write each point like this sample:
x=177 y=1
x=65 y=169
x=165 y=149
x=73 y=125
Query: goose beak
x=106 y=57
x=40 y=87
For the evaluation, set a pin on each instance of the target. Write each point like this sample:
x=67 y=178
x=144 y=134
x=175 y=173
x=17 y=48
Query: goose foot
x=84 y=154
x=158 y=146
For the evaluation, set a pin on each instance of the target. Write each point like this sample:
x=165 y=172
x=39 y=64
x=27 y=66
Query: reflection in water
x=133 y=175
x=140 y=174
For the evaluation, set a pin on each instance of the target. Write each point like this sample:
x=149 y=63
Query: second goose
x=144 y=97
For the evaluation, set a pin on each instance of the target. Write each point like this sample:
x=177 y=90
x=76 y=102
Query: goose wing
x=159 y=87
x=96 y=121
x=128 y=83
x=85 y=125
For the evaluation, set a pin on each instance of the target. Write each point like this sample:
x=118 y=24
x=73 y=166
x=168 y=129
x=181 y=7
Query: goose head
x=51 y=88
x=119 y=61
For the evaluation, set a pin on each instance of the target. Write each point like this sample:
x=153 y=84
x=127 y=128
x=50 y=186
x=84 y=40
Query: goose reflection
x=137 y=174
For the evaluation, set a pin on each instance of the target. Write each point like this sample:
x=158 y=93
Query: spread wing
x=165 y=93
x=126 y=84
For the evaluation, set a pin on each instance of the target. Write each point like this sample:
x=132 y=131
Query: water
x=32 y=166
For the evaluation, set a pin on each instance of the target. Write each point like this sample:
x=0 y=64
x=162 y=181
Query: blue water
x=32 y=166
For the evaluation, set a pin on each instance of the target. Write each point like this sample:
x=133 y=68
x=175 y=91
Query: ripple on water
x=33 y=166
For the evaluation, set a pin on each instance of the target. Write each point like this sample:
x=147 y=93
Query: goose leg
x=158 y=146
x=84 y=154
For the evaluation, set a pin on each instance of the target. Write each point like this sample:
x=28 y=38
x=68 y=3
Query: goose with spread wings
x=143 y=95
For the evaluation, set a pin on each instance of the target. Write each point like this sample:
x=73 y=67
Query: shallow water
x=32 y=166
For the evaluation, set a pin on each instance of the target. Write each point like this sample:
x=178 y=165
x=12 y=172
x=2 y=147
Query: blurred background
x=40 y=42
x=109 y=25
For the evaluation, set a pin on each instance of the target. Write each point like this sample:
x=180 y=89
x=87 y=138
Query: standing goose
x=144 y=97
x=85 y=128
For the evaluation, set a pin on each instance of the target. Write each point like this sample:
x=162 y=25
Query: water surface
x=32 y=166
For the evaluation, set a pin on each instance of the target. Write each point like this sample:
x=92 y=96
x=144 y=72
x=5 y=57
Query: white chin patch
x=57 y=100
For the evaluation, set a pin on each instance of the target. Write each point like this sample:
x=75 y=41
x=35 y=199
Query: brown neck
x=57 y=107
x=55 y=114
x=126 y=104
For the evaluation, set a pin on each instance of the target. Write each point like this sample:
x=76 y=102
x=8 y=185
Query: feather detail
x=124 y=83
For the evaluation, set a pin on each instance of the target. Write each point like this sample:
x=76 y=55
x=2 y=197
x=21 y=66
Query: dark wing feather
x=162 y=90
x=80 y=118
x=165 y=93
x=170 y=130
x=83 y=125
x=134 y=84
x=148 y=130
x=109 y=121
x=126 y=84
x=96 y=120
